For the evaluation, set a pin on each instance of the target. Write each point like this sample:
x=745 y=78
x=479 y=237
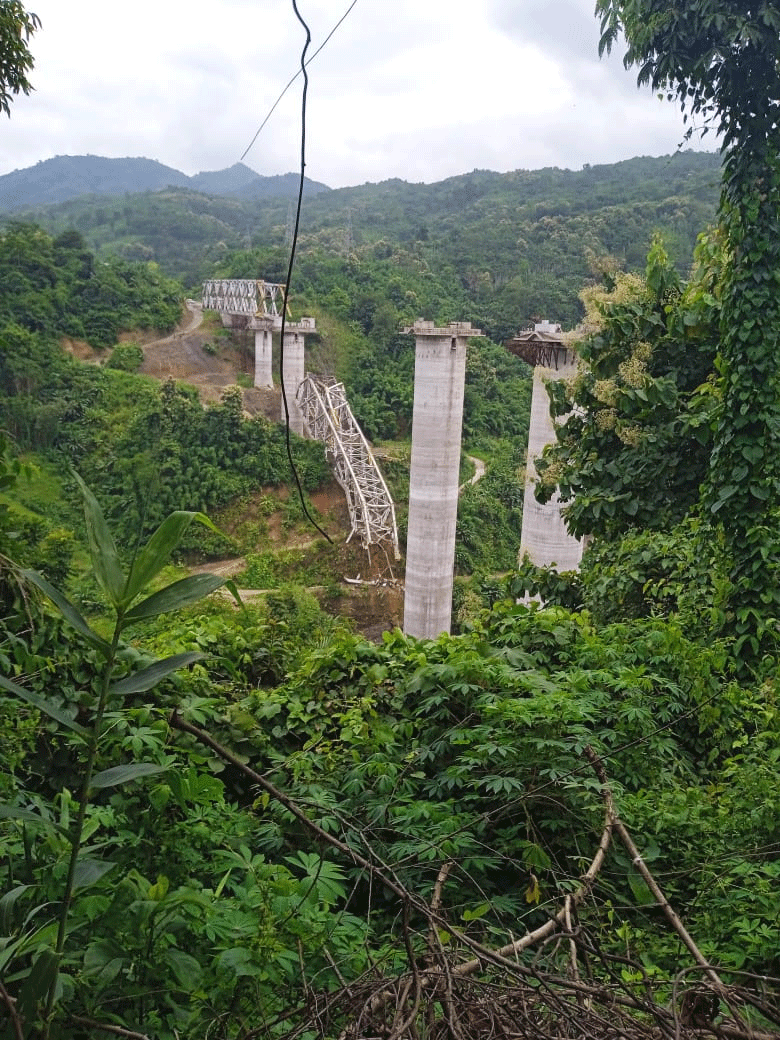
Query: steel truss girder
x=328 y=418
x=243 y=296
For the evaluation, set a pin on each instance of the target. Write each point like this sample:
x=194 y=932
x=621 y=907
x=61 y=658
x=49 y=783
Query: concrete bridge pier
x=439 y=381
x=294 y=369
x=544 y=537
x=263 y=328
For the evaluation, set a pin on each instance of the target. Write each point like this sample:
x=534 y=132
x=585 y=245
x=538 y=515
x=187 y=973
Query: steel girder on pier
x=243 y=296
x=328 y=418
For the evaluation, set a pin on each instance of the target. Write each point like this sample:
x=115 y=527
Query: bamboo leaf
x=102 y=548
x=146 y=679
x=68 y=611
x=121 y=774
x=155 y=554
x=174 y=597
x=43 y=705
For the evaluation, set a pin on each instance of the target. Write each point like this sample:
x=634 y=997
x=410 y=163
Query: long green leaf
x=174 y=597
x=121 y=774
x=68 y=611
x=37 y=984
x=155 y=554
x=7 y=906
x=146 y=679
x=14 y=812
x=102 y=548
x=42 y=705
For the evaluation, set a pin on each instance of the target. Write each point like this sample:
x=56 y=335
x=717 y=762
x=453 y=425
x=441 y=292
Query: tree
x=720 y=60
x=16 y=28
x=634 y=448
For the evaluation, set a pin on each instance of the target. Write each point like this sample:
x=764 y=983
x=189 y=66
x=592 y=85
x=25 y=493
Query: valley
x=281 y=817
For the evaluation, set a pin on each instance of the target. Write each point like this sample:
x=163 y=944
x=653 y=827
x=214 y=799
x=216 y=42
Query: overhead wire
x=301 y=71
x=290 y=265
x=297 y=74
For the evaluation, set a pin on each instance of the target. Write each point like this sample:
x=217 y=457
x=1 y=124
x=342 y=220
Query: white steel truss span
x=328 y=418
x=243 y=296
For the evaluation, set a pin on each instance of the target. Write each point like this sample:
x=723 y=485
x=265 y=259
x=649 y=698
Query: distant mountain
x=68 y=177
x=513 y=245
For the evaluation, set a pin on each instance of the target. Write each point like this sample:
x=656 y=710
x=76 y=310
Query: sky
x=421 y=90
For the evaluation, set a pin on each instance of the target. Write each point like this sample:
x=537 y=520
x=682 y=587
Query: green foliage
x=634 y=446
x=53 y=286
x=490 y=512
x=498 y=249
x=552 y=587
x=128 y=357
x=720 y=62
x=36 y=957
x=16 y=27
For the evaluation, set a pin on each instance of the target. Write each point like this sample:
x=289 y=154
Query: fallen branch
x=107 y=1027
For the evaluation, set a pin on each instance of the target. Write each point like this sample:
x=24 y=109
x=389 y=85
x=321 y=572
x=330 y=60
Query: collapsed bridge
x=328 y=418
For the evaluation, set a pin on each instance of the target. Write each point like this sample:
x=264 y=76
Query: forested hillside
x=505 y=247
x=242 y=820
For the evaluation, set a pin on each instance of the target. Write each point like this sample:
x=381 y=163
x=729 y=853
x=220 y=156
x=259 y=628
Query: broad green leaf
x=102 y=549
x=187 y=970
x=476 y=913
x=88 y=871
x=640 y=890
x=174 y=597
x=232 y=588
x=104 y=960
x=44 y=936
x=121 y=774
x=68 y=611
x=237 y=961
x=155 y=554
x=42 y=705
x=146 y=679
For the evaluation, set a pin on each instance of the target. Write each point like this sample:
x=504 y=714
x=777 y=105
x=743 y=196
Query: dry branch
x=513 y=1000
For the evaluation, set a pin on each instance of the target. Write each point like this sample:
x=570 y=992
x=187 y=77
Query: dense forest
x=232 y=819
x=504 y=248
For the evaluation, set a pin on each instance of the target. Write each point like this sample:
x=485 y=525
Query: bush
x=127 y=357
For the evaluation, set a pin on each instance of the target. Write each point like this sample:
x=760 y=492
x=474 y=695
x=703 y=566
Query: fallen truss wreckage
x=328 y=418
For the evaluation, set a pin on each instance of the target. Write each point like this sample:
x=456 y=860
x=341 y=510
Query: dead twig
x=10 y=1003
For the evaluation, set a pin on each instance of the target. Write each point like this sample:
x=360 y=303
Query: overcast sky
x=416 y=89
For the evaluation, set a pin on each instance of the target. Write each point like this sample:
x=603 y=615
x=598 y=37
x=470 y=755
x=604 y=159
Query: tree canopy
x=720 y=60
x=16 y=27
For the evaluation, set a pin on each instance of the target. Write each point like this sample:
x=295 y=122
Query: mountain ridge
x=66 y=177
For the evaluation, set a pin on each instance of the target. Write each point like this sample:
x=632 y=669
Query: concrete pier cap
x=437 y=420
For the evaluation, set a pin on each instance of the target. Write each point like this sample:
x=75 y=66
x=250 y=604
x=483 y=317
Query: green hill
x=510 y=246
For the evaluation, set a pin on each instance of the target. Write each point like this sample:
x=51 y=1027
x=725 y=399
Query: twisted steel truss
x=243 y=296
x=328 y=418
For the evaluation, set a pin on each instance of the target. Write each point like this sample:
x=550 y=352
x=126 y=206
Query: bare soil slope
x=190 y=355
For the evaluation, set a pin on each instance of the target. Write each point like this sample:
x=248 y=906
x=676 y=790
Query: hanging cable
x=290 y=270
x=297 y=74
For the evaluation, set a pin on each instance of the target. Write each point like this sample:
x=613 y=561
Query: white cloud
x=410 y=89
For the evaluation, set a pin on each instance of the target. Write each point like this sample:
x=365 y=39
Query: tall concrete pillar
x=294 y=368
x=437 y=419
x=263 y=351
x=543 y=536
